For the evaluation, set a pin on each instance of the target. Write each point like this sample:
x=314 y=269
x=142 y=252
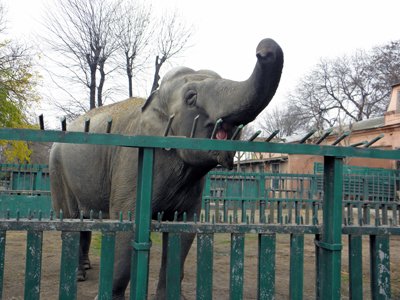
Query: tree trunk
x=101 y=85
x=92 y=88
x=156 y=79
x=129 y=74
x=130 y=86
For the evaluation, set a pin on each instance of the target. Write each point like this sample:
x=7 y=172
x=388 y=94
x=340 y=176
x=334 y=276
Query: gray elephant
x=85 y=177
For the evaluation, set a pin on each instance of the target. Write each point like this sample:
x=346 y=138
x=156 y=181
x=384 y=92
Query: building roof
x=368 y=124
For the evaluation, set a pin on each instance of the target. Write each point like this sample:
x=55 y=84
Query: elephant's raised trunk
x=241 y=102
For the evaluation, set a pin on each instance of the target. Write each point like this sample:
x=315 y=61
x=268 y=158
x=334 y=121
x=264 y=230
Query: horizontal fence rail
x=326 y=220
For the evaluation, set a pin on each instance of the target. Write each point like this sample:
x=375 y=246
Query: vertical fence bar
x=69 y=265
x=141 y=244
x=2 y=256
x=266 y=266
x=380 y=267
x=174 y=266
x=237 y=266
x=106 y=265
x=355 y=267
x=317 y=267
x=296 y=266
x=33 y=265
x=205 y=243
x=330 y=246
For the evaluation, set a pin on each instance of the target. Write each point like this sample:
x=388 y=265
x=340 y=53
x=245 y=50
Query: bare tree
x=82 y=34
x=283 y=119
x=172 y=39
x=386 y=60
x=347 y=89
x=134 y=34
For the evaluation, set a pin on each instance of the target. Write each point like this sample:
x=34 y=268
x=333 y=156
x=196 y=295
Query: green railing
x=24 y=189
x=327 y=228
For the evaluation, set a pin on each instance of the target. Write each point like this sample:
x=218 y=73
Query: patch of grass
x=95 y=245
x=156 y=238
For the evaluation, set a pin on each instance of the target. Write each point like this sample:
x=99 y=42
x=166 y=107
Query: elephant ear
x=152 y=96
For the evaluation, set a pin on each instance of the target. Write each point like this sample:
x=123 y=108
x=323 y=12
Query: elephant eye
x=190 y=98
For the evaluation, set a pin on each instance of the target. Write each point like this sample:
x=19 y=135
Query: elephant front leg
x=122 y=265
x=84 y=262
x=186 y=243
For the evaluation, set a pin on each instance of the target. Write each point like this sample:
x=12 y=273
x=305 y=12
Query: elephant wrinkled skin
x=85 y=177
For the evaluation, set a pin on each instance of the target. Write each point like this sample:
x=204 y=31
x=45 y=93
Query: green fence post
x=2 y=256
x=33 y=265
x=174 y=266
x=355 y=267
x=142 y=244
x=330 y=246
x=380 y=267
x=266 y=266
x=237 y=266
x=205 y=244
x=296 y=266
x=106 y=265
x=69 y=265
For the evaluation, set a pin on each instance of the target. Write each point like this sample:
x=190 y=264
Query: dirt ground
x=15 y=265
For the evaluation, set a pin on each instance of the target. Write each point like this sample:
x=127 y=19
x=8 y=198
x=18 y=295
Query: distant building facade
x=385 y=129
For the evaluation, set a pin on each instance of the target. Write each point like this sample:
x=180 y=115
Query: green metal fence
x=268 y=222
x=24 y=189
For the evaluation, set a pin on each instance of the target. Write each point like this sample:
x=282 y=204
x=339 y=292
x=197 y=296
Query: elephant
x=96 y=177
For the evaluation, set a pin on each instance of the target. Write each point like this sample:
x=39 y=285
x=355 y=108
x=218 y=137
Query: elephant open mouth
x=225 y=131
x=221 y=134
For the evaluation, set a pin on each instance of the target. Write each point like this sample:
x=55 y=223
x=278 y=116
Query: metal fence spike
x=237 y=131
x=194 y=126
x=109 y=124
x=87 y=124
x=359 y=144
x=64 y=124
x=272 y=136
x=41 y=122
x=340 y=138
x=171 y=118
x=307 y=136
x=324 y=136
x=374 y=140
x=253 y=137
x=216 y=126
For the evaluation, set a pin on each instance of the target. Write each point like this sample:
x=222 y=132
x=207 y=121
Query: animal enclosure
x=326 y=220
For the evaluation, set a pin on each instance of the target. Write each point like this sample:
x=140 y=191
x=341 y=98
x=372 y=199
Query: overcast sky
x=227 y=32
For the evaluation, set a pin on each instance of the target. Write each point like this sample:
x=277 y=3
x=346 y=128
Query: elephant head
x=204 y=96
